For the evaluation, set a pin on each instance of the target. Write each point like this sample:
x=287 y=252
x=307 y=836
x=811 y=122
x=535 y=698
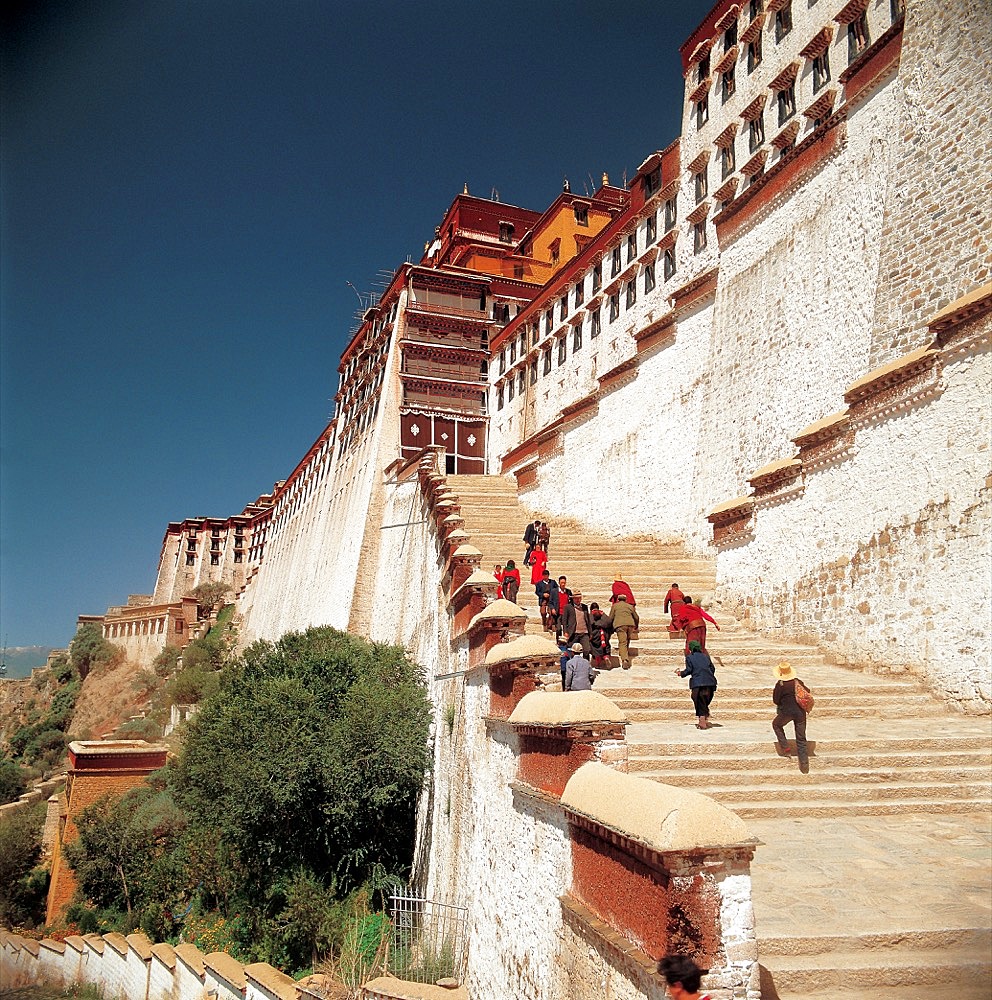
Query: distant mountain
x=21 y=660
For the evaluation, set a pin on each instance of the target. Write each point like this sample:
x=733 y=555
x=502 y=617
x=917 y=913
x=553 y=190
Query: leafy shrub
x=89 y=650
x=24 y=888
x=193 y=685
x=12 y=781
x=165 y=663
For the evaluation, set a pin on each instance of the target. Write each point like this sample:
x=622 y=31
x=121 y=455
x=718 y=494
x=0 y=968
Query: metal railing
x=430 y=940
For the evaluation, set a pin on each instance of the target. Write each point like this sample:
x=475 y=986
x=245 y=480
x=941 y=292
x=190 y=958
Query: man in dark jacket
x=530 y=538
x=547 y=600
x=575 y=623
x=702 y=682
x=623 y=621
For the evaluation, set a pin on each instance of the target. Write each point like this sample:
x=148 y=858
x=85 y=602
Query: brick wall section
x=937 y=228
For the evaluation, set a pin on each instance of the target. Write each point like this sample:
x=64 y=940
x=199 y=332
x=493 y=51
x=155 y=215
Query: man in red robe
x=619 y=587
x=674 y=600
x=692 y=621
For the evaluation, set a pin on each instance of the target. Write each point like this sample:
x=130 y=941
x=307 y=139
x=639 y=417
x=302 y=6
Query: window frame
x=783 y=21
x=650 y=282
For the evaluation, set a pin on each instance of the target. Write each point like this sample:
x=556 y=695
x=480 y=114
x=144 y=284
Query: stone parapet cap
x=192 y=957
x=94 y=941
x=227 y=968
x=499 y=611
x=823 y=429
x=974 y=303
x=525 y=648
x=775 y=472
x=662 y=818
x=391 y=988
x=468 y=552
x=552 y=709
x=271 y=981
x=116 y=941
x=31 y=946
x=57 y=946
x=896 y=371
x=75 y=942
x=165 y=953
x=730 y=509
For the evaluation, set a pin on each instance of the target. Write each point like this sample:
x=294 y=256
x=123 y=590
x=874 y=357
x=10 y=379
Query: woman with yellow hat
x=789 y=710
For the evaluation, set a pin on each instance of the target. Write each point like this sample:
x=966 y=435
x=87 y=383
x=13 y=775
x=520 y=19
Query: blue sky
x=186 y=190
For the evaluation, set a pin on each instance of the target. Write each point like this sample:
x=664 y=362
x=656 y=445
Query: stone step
x=835 y=972
x=746 y=768
x=974 y=939
x=857 y=689
x=703 y=750
x=736 y=698
x=832 y=793
x=909 y=805
x=723 y=716
x=709 y=781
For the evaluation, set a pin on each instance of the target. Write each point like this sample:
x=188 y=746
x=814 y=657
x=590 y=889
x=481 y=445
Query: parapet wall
x=135 y=969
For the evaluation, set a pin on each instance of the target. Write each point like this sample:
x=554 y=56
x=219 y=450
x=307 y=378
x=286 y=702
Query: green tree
x=22 y=883
x=90 y=650
x=12 y=780
x=209 y=594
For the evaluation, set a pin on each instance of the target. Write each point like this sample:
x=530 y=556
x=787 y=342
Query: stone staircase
x=872 y=873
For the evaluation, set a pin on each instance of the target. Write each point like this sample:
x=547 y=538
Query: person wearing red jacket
x=511 y=581
x=674 y=600
x=692 y=622
x=620 y=587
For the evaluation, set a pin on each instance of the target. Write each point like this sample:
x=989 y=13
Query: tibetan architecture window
x=579 y=291
x=754 y=53
x=535 y=333
x=756 y=132
x=547 y=361
x=699 y=237
x=190 y=558
x=632 y=247
x=239 y=557
x=700 y=185
x=595 y=323
x=786 y=103
x=502 y=362
x=754 y=8
x=897 y=9
x=652 y=182
x=577 y=338
x=858 y=38
x=728 y=85
x=563 y=306
x=523 y=342
x=631 y=292
x=511 y=388
x=597 y=278
x=821 y=70
x=513 y=351
x=701 y=111
x=521 y=380
x=614 y=306
x=703 y=68
x=214 y=558
x=581 y=215
x=518 y=272
x=616 y=262
x=668 y=263
x=533 y=372
x=562 y=350
x=730 y=36
x=649 y=281
x=506 y=232
x=727 y=165
x=650 y=229
x=671 y=214
x=783 y=21
x=549 y=320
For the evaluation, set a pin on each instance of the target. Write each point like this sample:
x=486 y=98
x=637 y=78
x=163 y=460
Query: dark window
x=783 y=22
x=652 y=182
x=521 y=380
x=581 y=215
x=577 y=338
x=190 y=558
x=730 y=36
x=754 y=53
x=563 y=306
x=535 y=332
x=511 y=388
x=502 y=362
x=700 y=185
x=897 y=8
x=703 y=69
x=579 y=291
x=858 y=38
x=597 y=278
x=631 y=292
x=821 y=70
x=214 y=559
x=615 y=264
x=523 y=342
x=595 y=323
x=505 y=232
x=699 y=237
x=786 y=103
x=754 y=8
x=533 y=372
x=649 y=281
x=191 y=543
x=549 y=321
x=513 y=350
x=669 y=262
x=239 y=557
x=562 y=350
x=671 y=214
x=729 y=84
x=702 y=112
x=756 y=132
x=547 y=360
x=632 y=247
x=555 y=252
x=727 y=160
x=518 y=271
x=614 y=306
x=650 y=229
